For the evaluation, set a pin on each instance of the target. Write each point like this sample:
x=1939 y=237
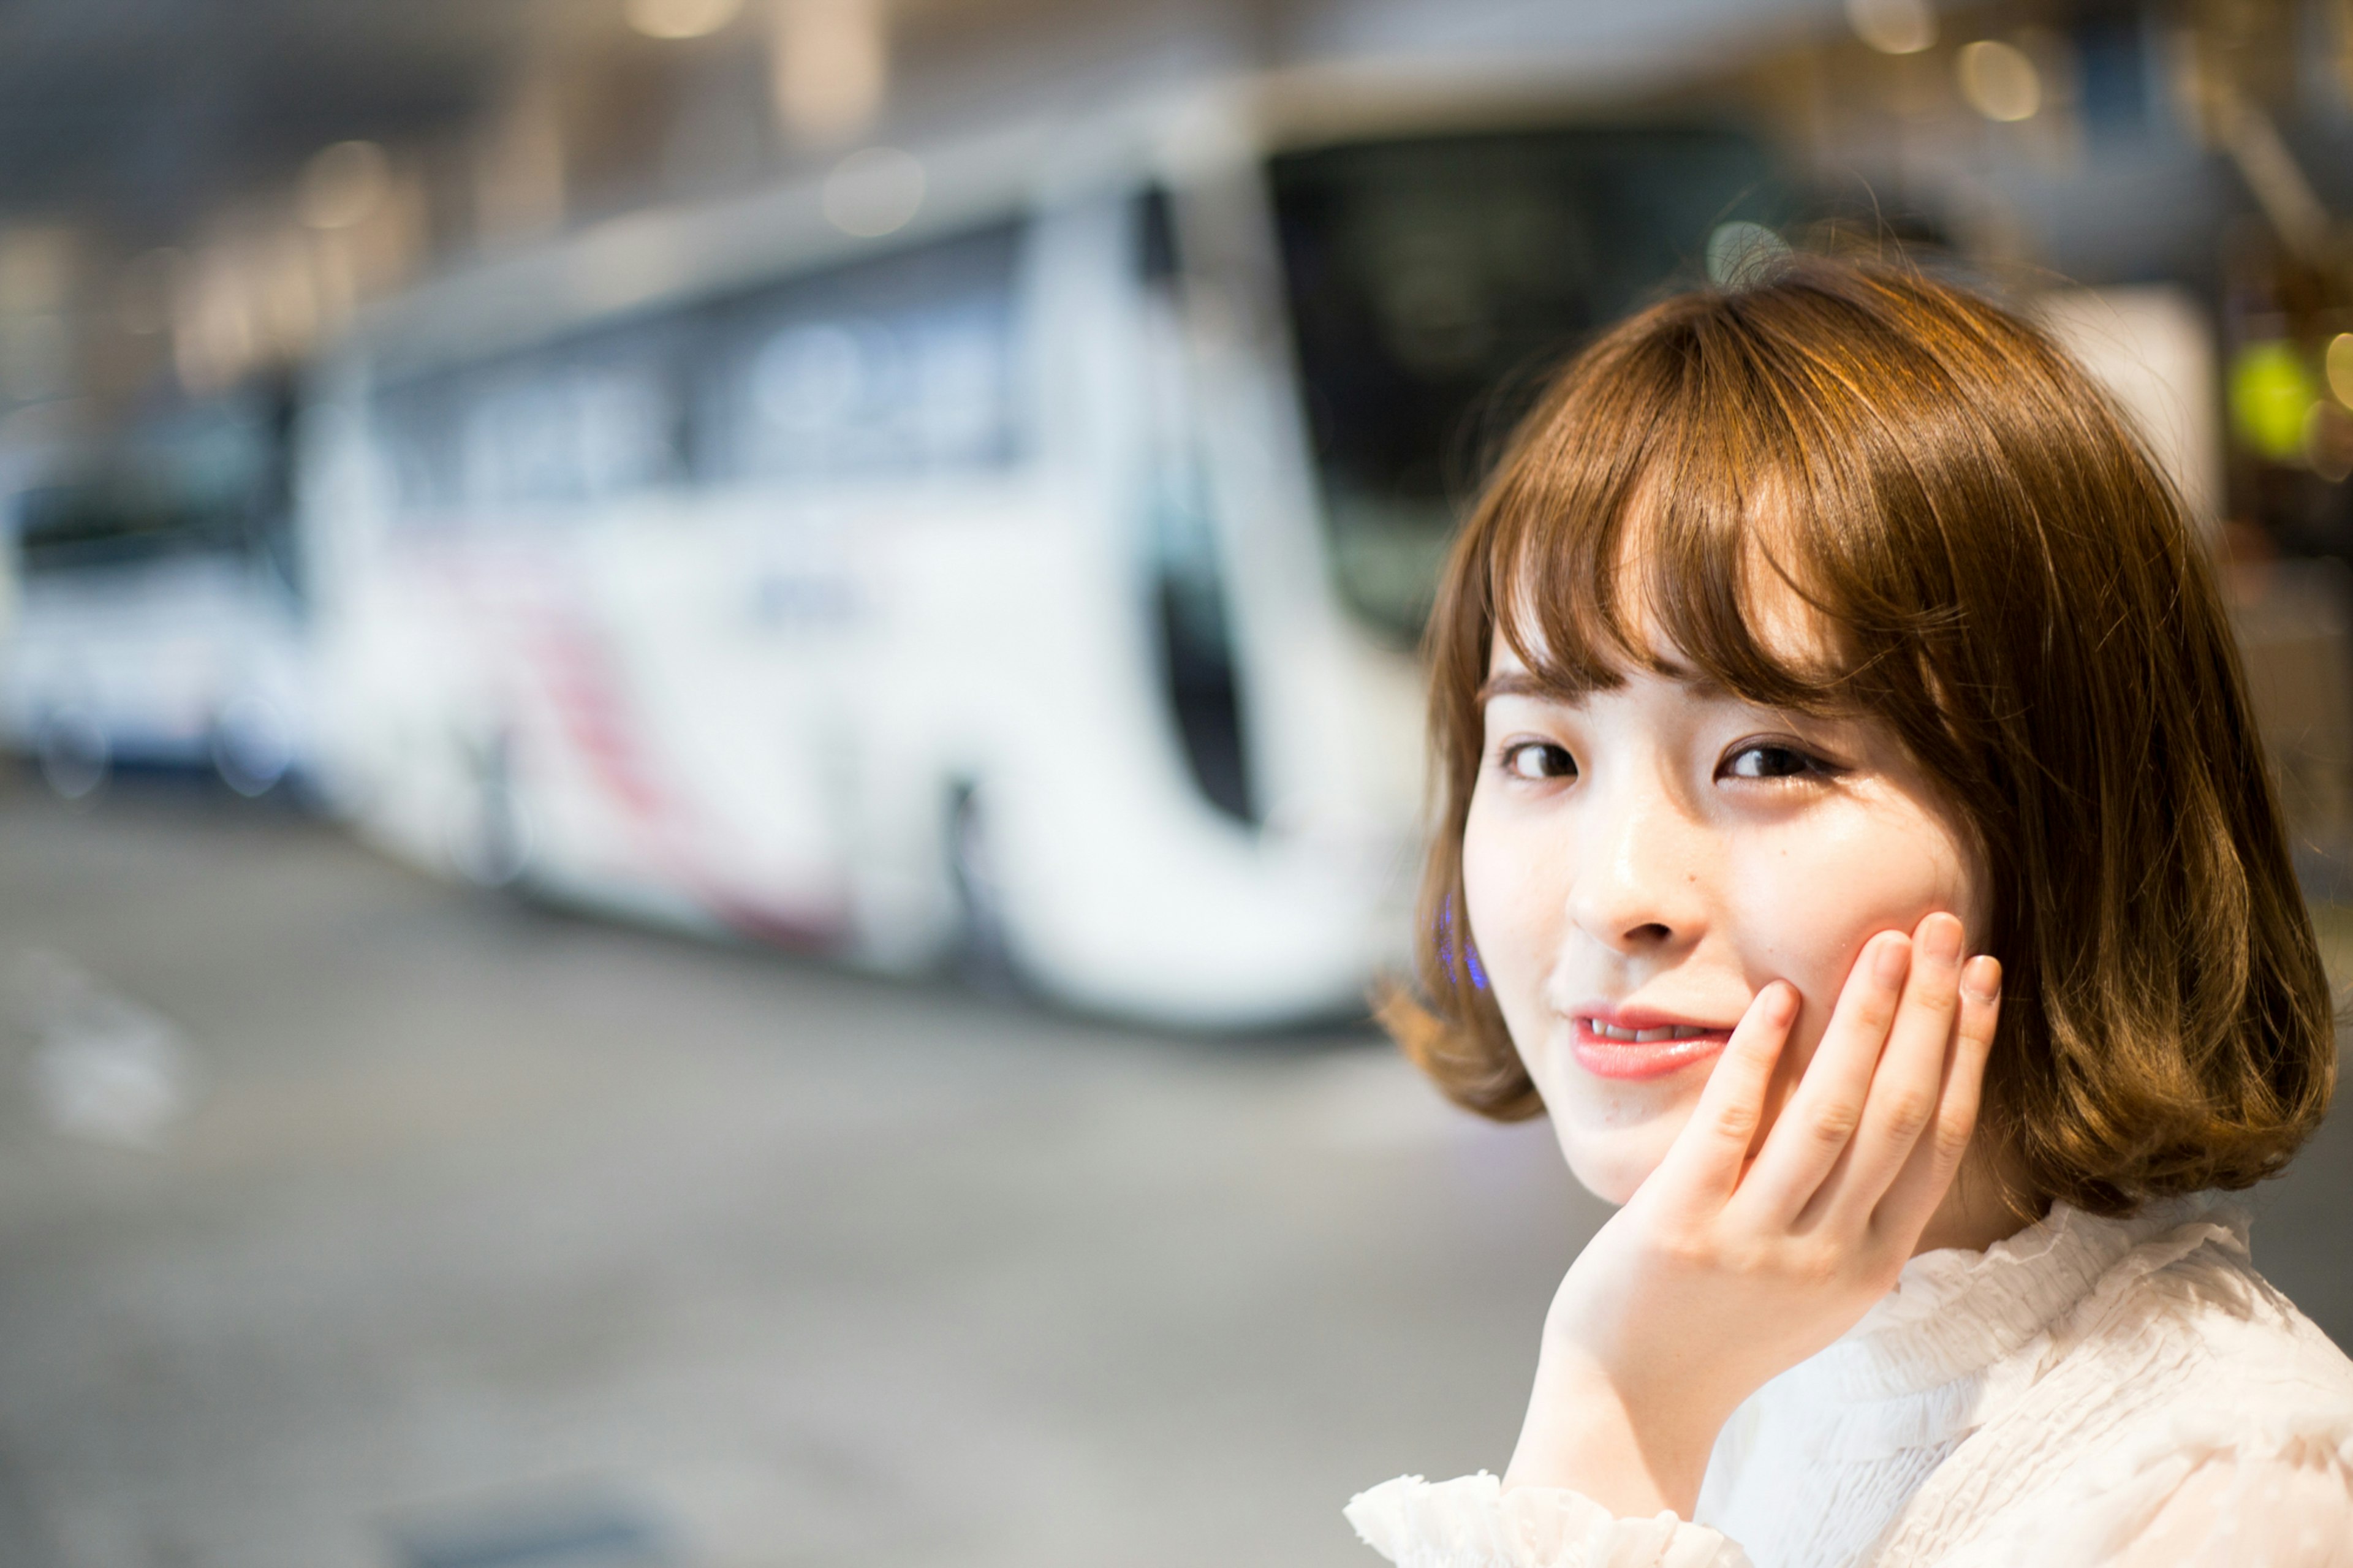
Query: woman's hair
x=2005 y=578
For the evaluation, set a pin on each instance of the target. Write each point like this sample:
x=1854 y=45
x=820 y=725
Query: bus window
x=901 y=364
x=567 y=435
x=1185 y=570
x=516 y=443
x=414 y=422
x=209 y=482
x=898 y=365
x=113 y=516
x=578 y=421
x=1433 y=282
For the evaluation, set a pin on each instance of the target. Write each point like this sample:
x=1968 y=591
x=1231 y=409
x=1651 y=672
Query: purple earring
x=1447 y=948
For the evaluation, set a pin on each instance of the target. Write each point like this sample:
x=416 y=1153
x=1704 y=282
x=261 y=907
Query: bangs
x=1693 y=517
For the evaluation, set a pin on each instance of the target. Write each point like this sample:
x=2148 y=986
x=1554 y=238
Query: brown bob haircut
x=2011 y=584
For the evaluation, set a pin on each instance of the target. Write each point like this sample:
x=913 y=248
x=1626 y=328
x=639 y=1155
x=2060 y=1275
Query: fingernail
x=1940 y=939
x=1981 y=980
x=1893 y=957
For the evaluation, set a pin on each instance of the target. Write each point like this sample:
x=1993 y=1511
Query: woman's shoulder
x=2245 y=1457
x=2199 y=1488
x=2183 y=1395
x=2196 y=1328
x=2081 y=1320
x=2181 y=1343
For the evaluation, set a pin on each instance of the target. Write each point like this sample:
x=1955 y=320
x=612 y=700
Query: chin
x=1613 y=1174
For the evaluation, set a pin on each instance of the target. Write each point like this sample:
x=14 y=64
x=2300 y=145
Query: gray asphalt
x=353 y=1220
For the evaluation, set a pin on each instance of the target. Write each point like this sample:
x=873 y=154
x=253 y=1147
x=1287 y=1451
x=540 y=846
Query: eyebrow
x=1522 y=683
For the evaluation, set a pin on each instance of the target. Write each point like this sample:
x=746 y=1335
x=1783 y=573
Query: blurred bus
x=1012 y=556
x=157 y=615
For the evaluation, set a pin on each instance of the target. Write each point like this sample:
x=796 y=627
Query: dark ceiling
x=136 y=118
x=140 y=115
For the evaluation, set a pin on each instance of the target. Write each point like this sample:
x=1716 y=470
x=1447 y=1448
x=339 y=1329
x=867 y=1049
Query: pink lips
x=1620 y=1058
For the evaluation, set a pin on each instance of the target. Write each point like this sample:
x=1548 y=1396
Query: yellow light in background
x=830 y=65
x=1999 y=80
x=343 y=185
x=1894 y=26
x=873 y=192
x=2339 y=365
x=680 y=18
x=2272 y=394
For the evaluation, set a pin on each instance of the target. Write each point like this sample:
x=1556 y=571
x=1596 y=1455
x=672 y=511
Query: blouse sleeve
x=1471 y=1522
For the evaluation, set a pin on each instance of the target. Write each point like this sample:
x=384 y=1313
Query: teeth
x=1644 y=1036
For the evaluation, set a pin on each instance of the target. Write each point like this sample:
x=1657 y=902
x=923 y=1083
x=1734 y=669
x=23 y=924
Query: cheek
x=1508 y=885
x=1515 y=878
x=1805 y=900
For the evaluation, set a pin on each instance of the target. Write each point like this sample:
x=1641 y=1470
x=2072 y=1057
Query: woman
x=1856 y=839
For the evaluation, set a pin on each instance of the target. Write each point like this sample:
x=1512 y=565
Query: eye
x=1537 y=760
x=1773 y=760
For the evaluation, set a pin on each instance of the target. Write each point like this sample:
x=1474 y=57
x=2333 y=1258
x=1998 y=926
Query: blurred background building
x=933 y=501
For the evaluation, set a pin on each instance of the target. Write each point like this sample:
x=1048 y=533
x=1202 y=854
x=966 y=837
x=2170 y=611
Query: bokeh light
x=1998 y=81
x=829 y=67
x=1740 y=254
x=2327 y=444
x=2339 y=364
x=873 y=192
x=1894 y=26
x=680 y=18
x=344 y=184
x=2272 y=394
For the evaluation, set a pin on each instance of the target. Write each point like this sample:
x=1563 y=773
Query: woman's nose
x=1641 y=880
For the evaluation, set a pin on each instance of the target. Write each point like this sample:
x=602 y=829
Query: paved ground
x=348 y=1220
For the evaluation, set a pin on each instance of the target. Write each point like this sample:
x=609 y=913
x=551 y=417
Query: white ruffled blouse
x=2089 y=1392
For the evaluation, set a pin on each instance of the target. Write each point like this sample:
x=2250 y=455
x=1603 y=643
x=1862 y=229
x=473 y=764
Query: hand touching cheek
x=1735 y=1261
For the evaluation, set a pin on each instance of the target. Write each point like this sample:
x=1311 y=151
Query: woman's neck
x=1989 y=1200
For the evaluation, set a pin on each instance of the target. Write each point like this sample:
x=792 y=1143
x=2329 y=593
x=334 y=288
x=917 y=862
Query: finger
x=1821 y=1115
x=1904 y=1212
x=1907 y=1085
x=1709 y=1154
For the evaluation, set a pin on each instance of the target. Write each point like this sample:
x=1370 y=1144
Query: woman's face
x=1640 y=862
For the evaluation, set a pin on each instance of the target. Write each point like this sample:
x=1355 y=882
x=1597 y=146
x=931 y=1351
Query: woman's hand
x=1725 y=1269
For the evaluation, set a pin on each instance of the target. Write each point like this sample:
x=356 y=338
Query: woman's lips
x=1604 y=1057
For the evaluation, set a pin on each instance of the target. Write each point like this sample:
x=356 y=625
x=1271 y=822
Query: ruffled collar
x=1955 y=1314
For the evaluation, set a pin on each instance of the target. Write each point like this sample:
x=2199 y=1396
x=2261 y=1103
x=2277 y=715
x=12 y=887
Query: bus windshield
x=1431 y=283
x=211 y=481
